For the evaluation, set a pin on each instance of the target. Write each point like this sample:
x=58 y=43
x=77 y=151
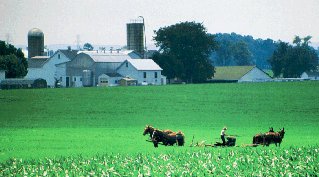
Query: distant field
x=52 y=123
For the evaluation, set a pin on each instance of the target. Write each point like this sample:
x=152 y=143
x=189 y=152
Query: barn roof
x=118 y=56
x=69 y=53
x=37 y=61
x=113 y=75
x=110 y=58
x=231 y=72
x=144 y=64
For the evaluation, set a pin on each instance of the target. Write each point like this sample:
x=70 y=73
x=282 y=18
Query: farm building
x=45 y=67
x=89 y=68
x=127 y=81
x=240 y=74
x=145 y=71
x=2 y=75
x=109 y=79
x=23 y=83
x=310 y=75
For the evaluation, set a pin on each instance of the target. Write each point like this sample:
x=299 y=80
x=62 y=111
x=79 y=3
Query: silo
x=35 y=43
x=87 y=80
x=135 y=36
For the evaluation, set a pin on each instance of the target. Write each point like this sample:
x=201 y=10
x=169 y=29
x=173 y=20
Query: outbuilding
x=109 y=79
x=308 y=75
x=240 y=74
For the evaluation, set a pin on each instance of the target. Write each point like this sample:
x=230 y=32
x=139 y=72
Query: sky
x=103 y=22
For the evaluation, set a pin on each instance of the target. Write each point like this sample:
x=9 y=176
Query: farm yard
x=98 y=131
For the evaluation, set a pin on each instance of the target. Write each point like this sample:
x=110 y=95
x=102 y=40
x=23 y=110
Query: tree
x=184 y=51
x=241 y=54
x=291 y=61
x=88 y=46
x=12 y=60
x=278 y=58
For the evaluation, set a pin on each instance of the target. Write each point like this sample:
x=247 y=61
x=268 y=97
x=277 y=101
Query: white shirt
x=222 y=132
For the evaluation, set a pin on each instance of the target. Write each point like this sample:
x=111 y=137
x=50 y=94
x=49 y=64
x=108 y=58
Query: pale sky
x=103 y=22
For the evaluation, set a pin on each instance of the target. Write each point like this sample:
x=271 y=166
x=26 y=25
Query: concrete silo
x=135 y=36
x=35 y=43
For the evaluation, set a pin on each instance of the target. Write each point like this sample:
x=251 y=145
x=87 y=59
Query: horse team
x=169 y=138
x=269 y=137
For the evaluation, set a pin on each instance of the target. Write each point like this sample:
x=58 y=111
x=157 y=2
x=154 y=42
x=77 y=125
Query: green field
x=83 y=123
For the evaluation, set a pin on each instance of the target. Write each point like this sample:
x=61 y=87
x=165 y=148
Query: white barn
x=240 y=74
x=93 y=68
x=145 y=71
x=45 y=67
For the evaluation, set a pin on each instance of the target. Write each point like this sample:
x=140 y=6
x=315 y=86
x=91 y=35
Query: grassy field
x=86 y=122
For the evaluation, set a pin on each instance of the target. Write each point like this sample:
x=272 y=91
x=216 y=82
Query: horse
x=259 y=138
x=149 y=130
x=180 y=137
x=168 y=139
x=274 y=137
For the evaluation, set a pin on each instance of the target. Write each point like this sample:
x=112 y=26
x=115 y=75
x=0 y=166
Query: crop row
x=293 y=161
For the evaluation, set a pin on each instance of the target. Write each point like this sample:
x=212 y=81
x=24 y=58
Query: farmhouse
x=240 y=74
x=145 y=71
x=310 y=75
x=45 y=67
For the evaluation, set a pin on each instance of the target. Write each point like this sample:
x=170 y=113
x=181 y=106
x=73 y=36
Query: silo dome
x=35 y=32
x=35 y=43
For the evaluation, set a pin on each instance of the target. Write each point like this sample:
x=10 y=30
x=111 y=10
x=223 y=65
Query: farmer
x=222 y=135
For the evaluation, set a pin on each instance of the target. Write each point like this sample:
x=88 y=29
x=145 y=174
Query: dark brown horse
x=274 y=137
x=259 y=138
x=149 y=130
x=168 y=139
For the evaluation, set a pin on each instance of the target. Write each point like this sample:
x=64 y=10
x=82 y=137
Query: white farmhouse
x=145 y=71
x=45 y=67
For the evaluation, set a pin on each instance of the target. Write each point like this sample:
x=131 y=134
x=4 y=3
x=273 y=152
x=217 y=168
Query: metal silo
x=87 y=80
x=35 y=43
x=135 y=36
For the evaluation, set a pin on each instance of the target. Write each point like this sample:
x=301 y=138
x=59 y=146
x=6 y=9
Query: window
x=144 y=73
x=126 y=64
x=74 y=79
x=103 y=80
x=61 y=79
x=81 y=79
x=155 y=75
x=59 y=56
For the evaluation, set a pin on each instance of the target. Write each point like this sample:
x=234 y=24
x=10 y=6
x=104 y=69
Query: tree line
x=237 y=50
